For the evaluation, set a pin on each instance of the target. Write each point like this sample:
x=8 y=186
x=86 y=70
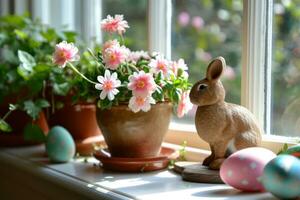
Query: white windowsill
x=90 y=182
x=178 y=133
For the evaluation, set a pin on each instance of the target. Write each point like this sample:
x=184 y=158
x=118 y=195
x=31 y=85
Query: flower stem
x=92 y=54
x=7 y=114
x=122 y=40
x=80 y=74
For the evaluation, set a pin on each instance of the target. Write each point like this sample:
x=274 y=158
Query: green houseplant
x=136 y=92
x=30 y=83
x=75 y=108
x=22 y=79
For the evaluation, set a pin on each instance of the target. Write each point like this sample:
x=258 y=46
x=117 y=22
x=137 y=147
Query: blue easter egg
x=281 y=177
x=60 y=145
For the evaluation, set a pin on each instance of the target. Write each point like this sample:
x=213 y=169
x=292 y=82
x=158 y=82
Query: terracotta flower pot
x=80 y=121
x=136 y=135
x=18 y=120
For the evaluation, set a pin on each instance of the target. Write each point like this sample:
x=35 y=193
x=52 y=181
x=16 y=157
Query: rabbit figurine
x=226 y=127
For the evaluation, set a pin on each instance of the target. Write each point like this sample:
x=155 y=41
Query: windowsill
x=178 y=133
x=28 y=166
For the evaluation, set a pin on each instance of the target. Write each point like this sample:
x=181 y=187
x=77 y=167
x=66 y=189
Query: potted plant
x=136 y=92
x=75 y=109
x=21 y=83
x=30 y=84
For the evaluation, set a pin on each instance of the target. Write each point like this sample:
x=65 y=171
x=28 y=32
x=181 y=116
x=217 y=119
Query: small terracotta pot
x=135 y=135
x=80 y=121
x=18 y=120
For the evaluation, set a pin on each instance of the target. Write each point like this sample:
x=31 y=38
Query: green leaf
x=42 y=68
x=42 y=103
x=61 y=89
x=27 y=61
x=5 y=127
x=22 y=35
x=283 y=149
x=33 y=132
x=50 y=35
x=70 y=36
x=31 y=109
x=23 y=73
x=34 y=108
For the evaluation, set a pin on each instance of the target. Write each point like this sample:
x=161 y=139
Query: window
x=259 y=39
x=286 y=69
x=202 y=30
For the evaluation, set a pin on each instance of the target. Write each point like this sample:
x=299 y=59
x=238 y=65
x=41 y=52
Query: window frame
x=256 y=56
x=256 y=77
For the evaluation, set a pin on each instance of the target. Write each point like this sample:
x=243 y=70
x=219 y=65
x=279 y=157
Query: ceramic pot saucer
x=136 y=164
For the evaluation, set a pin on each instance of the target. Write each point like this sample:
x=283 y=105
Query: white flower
x=108 y=85
x=134 y=56
x=179 y=65
x=137 y=103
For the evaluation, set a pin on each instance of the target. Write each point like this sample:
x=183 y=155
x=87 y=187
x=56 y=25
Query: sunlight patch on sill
x=117 y=184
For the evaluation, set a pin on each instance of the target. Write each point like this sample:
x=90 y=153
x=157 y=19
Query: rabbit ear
x=215 y=69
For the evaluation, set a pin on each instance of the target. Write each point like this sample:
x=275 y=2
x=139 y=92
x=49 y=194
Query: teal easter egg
x=281 y=177
x=60 y=145
x=294 y=151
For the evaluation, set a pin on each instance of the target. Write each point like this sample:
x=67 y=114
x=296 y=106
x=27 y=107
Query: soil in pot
x=135 y=135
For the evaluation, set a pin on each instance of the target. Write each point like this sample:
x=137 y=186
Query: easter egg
x=282 y=177
x=243 y=169
x=60 y=145
x=294 y=151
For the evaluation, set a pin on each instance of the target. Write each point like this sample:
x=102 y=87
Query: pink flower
x=183 y=19
x=109 y=44
x=134 y=56
x=175 y=66
x=137 y=103
x=141 y=84
x=159 y=64
x=203 y=55
x=65 y=52
x=114 y=24
x=198 y=22
x=114 y=56
x=108 y=85
x=229 y=73
x=184 y=105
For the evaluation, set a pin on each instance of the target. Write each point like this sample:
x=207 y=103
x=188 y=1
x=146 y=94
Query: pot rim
x=123 y=105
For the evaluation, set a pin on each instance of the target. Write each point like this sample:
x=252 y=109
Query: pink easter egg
x=243 y=169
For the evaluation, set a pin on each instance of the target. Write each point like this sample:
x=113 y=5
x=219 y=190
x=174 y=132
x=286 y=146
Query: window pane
x=134 y=12
x=286 y=69
x=204 y=29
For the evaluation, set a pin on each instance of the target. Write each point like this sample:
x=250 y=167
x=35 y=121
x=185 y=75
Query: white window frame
x=159 y=26
x=256 y=76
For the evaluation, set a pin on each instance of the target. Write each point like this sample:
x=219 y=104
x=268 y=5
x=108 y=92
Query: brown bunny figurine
x=223 y=125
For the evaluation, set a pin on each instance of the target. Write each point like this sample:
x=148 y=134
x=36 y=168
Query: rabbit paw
x=208 y=160
x=216 y=164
